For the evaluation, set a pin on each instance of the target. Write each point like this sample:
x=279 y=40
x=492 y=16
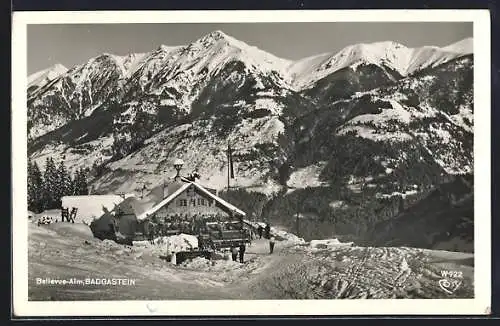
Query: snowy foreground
x=320 y=269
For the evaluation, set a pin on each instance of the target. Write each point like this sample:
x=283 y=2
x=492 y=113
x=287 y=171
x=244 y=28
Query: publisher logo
x=451 y=281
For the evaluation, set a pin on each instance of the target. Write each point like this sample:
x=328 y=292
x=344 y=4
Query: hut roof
x=180 y=190
x=156 y=194
x=91 y=206
x=134 y=206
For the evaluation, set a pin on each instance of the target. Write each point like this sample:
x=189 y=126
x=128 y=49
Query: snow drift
x=169 y=244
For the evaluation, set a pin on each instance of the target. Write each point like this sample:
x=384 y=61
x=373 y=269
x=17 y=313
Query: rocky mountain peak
x=40 y=78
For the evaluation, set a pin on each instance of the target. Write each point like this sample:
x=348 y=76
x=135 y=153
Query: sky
x=72 y=44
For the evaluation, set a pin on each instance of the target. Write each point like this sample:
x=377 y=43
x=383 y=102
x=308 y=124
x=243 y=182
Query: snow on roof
x=90 y=206
x=137 y=206
x=172 y=196
x=163 y=202
x=88 y=197
x=157 y=193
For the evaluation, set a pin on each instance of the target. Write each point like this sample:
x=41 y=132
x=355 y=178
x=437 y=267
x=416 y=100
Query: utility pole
x=142 y=189
x=228 y=172
x=228 y=165
x=297 y=219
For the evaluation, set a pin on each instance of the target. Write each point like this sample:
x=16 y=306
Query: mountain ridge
x=363 y=141
x=164 y=73
x=459 y=48
x=42 y=77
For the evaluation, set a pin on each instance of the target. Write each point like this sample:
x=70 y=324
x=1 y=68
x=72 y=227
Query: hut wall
x=189 y=213
x=191 y=202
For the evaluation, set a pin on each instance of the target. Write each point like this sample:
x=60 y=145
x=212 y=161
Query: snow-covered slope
x=464 y=46
x=358 y=129
x=432 y=56
x=122 y=111
x=180 y=73
x=388 y=54
x=129 y=63
x=421 y=125
x=74 y=95
x=40 y=78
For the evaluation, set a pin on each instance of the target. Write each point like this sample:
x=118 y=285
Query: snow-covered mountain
x=391 y=55
x=176 y=76
x=40 y=78
x=380 y=120
x=465 y=46
x=179 y=74
x=128 y=63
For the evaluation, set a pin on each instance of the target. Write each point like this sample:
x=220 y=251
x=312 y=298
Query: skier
x=234 y=253
x=271 y=245
x=242 y=252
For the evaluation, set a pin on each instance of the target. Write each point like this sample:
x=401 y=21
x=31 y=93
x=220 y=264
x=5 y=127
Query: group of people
x=175 y=218
x=235 y=251
x=67 y=215
x=213 y=224
x=182 y=223
x=266 y=232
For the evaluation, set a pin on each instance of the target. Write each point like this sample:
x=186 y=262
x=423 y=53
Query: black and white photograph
x=229 y=161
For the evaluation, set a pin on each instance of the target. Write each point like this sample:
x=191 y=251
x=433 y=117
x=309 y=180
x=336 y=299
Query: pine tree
x=85 y=185
x=49 y=185
x=38 y=182
x=80 y=183
x=72 y=189
x=63 y=184
x=71 y=185
x=31 y=187
x=35 y=190
x=75 y=182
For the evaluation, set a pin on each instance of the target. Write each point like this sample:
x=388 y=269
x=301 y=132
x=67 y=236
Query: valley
x=350 y=141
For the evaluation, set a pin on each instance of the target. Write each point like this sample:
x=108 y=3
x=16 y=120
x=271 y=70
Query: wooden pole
x=228 y=166
x=297 y=219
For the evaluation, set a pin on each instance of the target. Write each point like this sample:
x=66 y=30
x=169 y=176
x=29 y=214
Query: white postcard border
x=482 y=149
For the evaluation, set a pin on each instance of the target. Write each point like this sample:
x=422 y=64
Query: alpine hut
x=181 y=206
x=194 y=209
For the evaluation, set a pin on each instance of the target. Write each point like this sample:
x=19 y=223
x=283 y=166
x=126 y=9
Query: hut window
x=193 y=202
x=201 y=201
x=182 y=202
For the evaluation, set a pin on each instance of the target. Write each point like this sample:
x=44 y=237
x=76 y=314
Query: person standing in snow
x=271 y=245
x=259 y=231
x=234 y=253
x=242 y=252
x=149 y=228
x=267 y=231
